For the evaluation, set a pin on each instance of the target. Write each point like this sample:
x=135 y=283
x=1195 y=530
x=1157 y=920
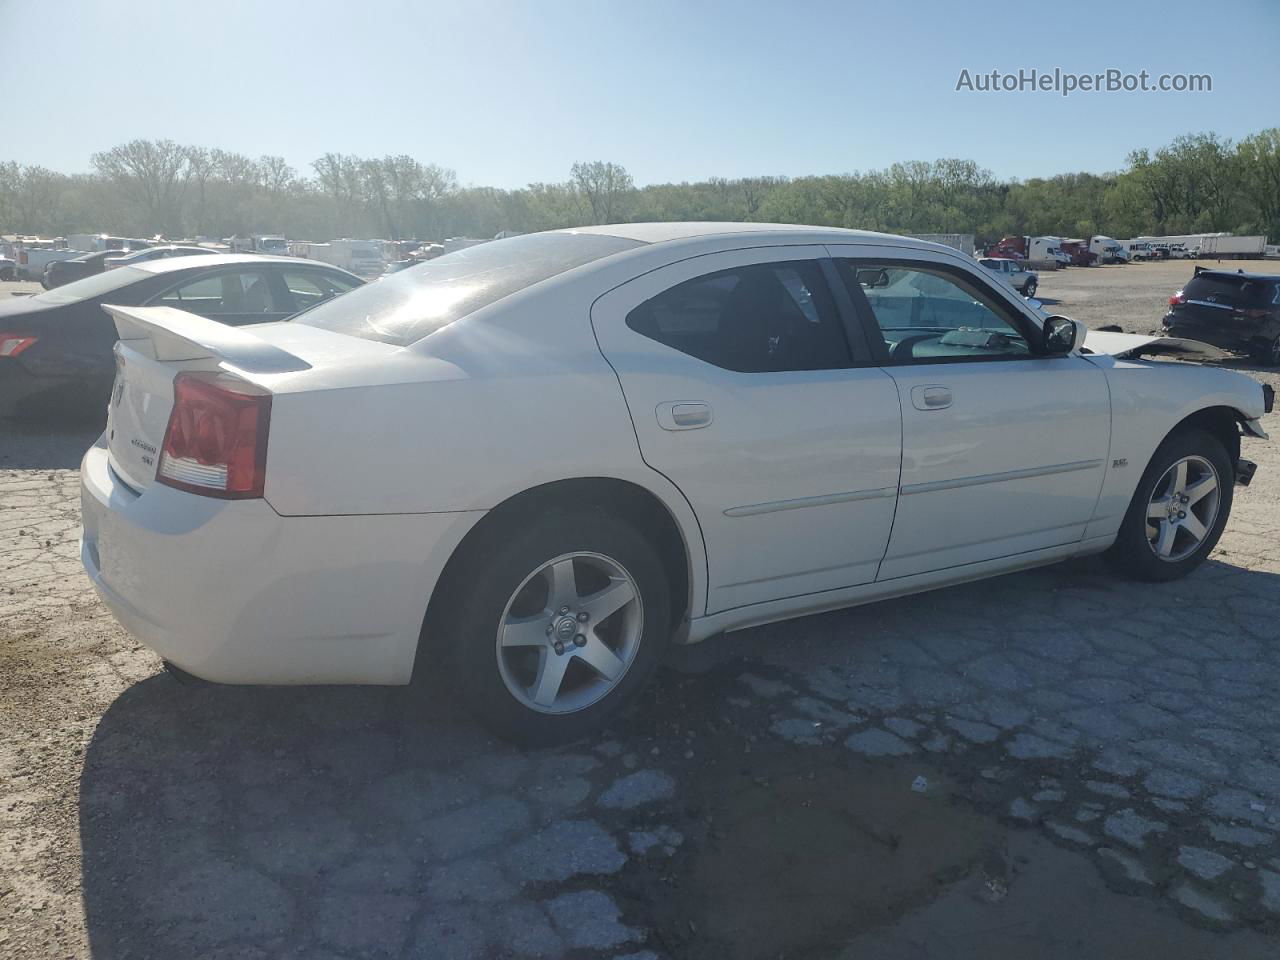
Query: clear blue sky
x=512 y=91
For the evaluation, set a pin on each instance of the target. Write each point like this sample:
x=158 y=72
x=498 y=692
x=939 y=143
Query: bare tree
x=340 y=179
x=605 y=185
x=275 y=174
x=153 y=173
x=200 y=161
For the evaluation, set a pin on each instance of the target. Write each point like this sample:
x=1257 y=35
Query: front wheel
x=556 y=625
x=1179 y=510
x=1030 y=289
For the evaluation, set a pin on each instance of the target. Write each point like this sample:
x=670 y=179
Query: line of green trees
x=1197 y=183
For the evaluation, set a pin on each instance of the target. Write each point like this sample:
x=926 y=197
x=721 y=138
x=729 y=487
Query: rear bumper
x=232 y=592
x=24 y=395
x=1240 y=337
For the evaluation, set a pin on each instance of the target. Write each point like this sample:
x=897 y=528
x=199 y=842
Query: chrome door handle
x=683 y=414
x=930 y=397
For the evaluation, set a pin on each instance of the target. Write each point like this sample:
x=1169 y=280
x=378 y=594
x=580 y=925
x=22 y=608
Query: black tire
x=1132 y=554
x=1030 y=289
x=487 y=580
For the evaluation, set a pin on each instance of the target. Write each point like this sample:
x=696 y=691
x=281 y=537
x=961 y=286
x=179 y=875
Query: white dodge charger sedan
x=535 y=462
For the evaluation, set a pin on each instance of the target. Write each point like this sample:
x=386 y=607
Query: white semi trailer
x=361 y=257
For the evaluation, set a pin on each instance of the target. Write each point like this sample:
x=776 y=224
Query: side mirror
x=1062 y=334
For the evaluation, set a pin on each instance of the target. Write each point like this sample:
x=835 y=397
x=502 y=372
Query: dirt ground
x=1056 y=763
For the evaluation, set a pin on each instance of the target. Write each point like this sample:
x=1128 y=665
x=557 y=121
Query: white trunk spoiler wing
x=176 y=335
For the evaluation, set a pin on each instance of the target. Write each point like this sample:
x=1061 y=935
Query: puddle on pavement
x=804 y=848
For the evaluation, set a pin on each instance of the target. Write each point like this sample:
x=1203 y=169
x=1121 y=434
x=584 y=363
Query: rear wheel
x=1269 y=354
x=556 y=626
x=1030 y=289
x=1178 y=511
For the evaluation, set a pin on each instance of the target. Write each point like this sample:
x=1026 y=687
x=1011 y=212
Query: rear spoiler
x=178 y=335
x=1218 y=270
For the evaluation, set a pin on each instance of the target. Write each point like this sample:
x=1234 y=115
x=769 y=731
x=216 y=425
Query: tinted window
x=223 y=294
x=407 y=306
x=754 y=319
x=310 y=287
x=928 y=315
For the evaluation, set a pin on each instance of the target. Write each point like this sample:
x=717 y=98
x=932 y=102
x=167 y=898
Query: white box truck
x=1108 y=249
x=361 y=257
x=1048 y=250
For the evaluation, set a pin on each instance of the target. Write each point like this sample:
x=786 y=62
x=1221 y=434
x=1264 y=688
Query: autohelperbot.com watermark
x=1065 y=82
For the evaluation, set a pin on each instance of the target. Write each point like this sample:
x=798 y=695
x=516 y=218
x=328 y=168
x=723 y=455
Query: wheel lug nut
x=580 y=640
x=1182 y=515
x=564 y=609
x=559 y=647
x=583 y=617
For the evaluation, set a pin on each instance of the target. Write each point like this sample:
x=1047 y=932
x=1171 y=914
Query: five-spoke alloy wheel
x=569 y=633
x=553 y=623
x=1183 y=508
x=1177 y=513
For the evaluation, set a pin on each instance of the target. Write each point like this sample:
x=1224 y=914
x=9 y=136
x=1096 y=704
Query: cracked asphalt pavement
x=1053 y=763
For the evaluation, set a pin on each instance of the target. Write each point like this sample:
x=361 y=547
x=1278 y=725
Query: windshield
x=91 y=287
x=408 y=305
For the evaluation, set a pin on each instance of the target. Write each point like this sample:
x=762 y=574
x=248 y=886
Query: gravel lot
x=1050 y=764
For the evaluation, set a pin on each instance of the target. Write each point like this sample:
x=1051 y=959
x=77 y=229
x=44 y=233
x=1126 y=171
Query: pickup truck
x=32 y=258
x=1013 y=273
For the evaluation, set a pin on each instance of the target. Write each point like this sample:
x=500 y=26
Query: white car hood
x=1137 y=344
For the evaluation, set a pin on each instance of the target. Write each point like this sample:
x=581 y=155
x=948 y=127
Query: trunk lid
x=155 y=344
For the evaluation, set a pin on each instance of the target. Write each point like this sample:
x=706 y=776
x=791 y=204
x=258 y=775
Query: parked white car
x=535 y=462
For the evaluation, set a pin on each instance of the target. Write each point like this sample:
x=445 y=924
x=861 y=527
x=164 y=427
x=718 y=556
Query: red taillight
x=216 y=440
x=1177 y=299
x=12 y=344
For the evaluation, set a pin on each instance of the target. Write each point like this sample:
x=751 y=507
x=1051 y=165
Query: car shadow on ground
x=228 y=821
x=53 y=445
x=210 y=815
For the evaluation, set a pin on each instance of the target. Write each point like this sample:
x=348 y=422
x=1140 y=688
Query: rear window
x=407 y=306
x=89 y=287
x=1230 y=289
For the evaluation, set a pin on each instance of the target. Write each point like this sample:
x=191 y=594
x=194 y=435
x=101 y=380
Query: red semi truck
x=1079 y=252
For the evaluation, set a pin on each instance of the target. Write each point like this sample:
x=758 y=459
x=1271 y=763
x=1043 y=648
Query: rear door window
x=239 y=293
x=766 y=317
